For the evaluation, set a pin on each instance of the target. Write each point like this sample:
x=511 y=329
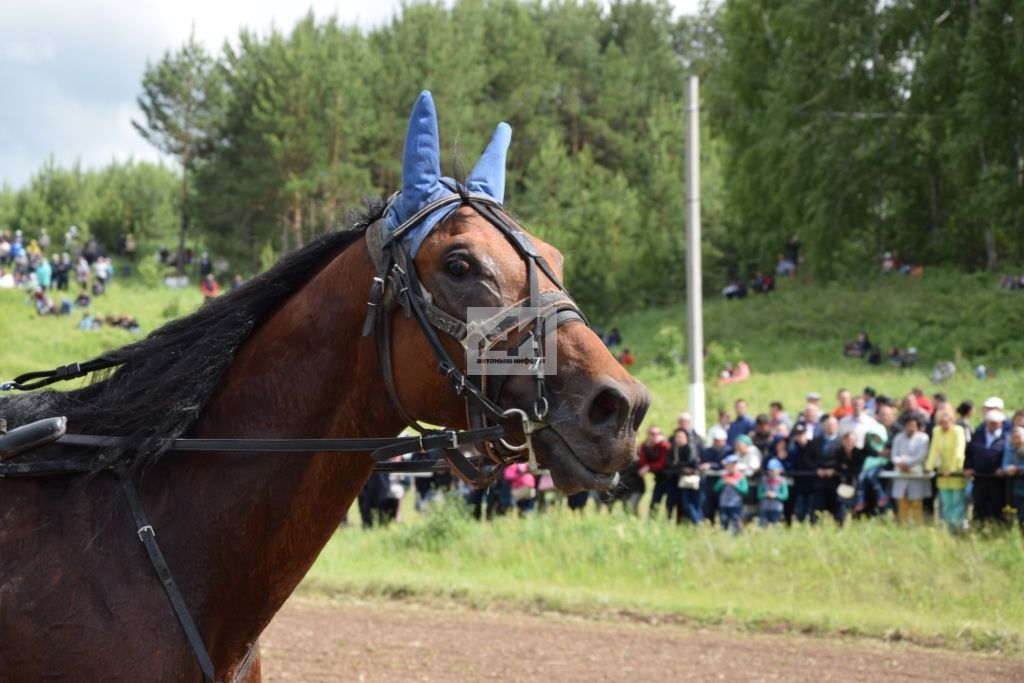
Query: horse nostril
x=604 y=407
x=640 y=411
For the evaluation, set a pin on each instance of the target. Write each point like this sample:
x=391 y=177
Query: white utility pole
x=694 y=304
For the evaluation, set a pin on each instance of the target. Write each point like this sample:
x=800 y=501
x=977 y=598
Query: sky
x=71 y=70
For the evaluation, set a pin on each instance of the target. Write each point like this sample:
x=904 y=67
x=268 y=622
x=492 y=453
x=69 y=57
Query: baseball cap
x=731 y=459
x=745 y=439
x=993 y=403
x=814 y=396
x=995 y=416
x=717 y=433
x=775 y=464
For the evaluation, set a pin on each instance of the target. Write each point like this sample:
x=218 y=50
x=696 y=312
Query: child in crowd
x=874 y=463
x=731 y=488
x=773 y=491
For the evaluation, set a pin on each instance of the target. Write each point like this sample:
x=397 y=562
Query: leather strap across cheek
x=397 y=285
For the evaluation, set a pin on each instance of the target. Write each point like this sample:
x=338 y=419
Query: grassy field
x=31 y=342
x=870 y=579
x=793 y=340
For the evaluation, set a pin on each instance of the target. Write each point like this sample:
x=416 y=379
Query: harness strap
x=148 y=538
x=60 y=374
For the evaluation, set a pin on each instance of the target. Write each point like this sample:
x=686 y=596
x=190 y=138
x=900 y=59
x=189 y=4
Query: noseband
x=397 y=285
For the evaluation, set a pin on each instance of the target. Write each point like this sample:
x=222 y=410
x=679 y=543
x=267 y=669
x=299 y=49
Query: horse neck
x=260 y=521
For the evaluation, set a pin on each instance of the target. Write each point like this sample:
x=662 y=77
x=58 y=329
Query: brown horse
x=284 y=358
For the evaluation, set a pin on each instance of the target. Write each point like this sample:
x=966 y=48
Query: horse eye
x=459 y=266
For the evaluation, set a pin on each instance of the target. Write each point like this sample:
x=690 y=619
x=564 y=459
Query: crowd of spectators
x=50 y=275
x=869 y=456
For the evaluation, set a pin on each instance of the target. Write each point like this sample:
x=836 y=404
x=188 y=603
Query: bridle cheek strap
x=397 y=285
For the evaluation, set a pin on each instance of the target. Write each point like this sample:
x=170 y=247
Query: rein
x=396 y=285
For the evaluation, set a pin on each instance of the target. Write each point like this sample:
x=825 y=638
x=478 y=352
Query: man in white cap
x=994 y=403
x=985 y=457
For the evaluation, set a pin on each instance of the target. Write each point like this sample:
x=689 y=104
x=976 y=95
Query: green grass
x=31 y=342
x=793 y=340
x=869 y=579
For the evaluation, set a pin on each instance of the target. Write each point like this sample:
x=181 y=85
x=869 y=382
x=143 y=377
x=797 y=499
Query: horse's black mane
x=166 y=379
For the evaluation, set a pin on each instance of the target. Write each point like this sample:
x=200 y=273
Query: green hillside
x=793 y=339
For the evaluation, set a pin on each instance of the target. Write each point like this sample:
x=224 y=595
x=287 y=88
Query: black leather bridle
x=397 y=284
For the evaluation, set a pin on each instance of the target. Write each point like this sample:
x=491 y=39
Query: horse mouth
x=568 y=470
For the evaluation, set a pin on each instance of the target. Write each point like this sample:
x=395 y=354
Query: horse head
x=477 y=265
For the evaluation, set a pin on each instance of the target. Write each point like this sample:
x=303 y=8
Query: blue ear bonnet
x=422 y=183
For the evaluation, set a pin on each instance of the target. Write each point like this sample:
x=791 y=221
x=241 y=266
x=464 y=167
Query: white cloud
x=72 y=68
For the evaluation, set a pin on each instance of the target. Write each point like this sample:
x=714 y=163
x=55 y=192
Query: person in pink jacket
x=523 y=485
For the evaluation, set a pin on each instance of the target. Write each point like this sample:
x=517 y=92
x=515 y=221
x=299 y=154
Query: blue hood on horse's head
x=421 y=173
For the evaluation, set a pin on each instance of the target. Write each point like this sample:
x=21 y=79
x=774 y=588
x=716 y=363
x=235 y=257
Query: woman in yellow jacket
x=946 y=454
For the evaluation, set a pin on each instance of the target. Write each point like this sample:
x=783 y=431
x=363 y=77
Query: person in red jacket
x=208 y=286
x=653 y=454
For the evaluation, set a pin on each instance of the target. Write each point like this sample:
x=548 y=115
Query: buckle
x=143 y=530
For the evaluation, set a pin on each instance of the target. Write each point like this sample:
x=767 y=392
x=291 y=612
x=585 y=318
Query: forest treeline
x=859 y=126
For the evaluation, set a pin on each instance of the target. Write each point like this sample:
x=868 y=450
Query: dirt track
x=312 y=640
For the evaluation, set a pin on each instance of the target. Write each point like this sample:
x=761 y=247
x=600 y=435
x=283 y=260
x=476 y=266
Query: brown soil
x=353 y=640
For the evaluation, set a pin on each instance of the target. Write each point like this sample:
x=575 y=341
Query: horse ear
x=421 y=160
x=488 y=176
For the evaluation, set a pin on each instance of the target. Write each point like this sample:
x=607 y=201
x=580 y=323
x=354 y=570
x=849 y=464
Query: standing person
x=964 y=413
x=208 y=287
x=824 y=453
x=763 y=435
x=923 y=402
x=205 y=265
x=653 y=454
x=909 y=453
x=44 y=272
x=849 y=463
x=772 y=492
x=779 y=416
x=62 y=271
x=946 y=455
x=985 y=457
x=858 y=421
x=749 y=455
x=82 y=273
x=742 y=425
x=1013 y=464
x=870 y=402
x=711 y=460
x=523 y=485
x=911 y=408
x=845 y=406
x=801 y=460
x=810 y=417
x=731 y=488
x=687 y=464
x=685 y=421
